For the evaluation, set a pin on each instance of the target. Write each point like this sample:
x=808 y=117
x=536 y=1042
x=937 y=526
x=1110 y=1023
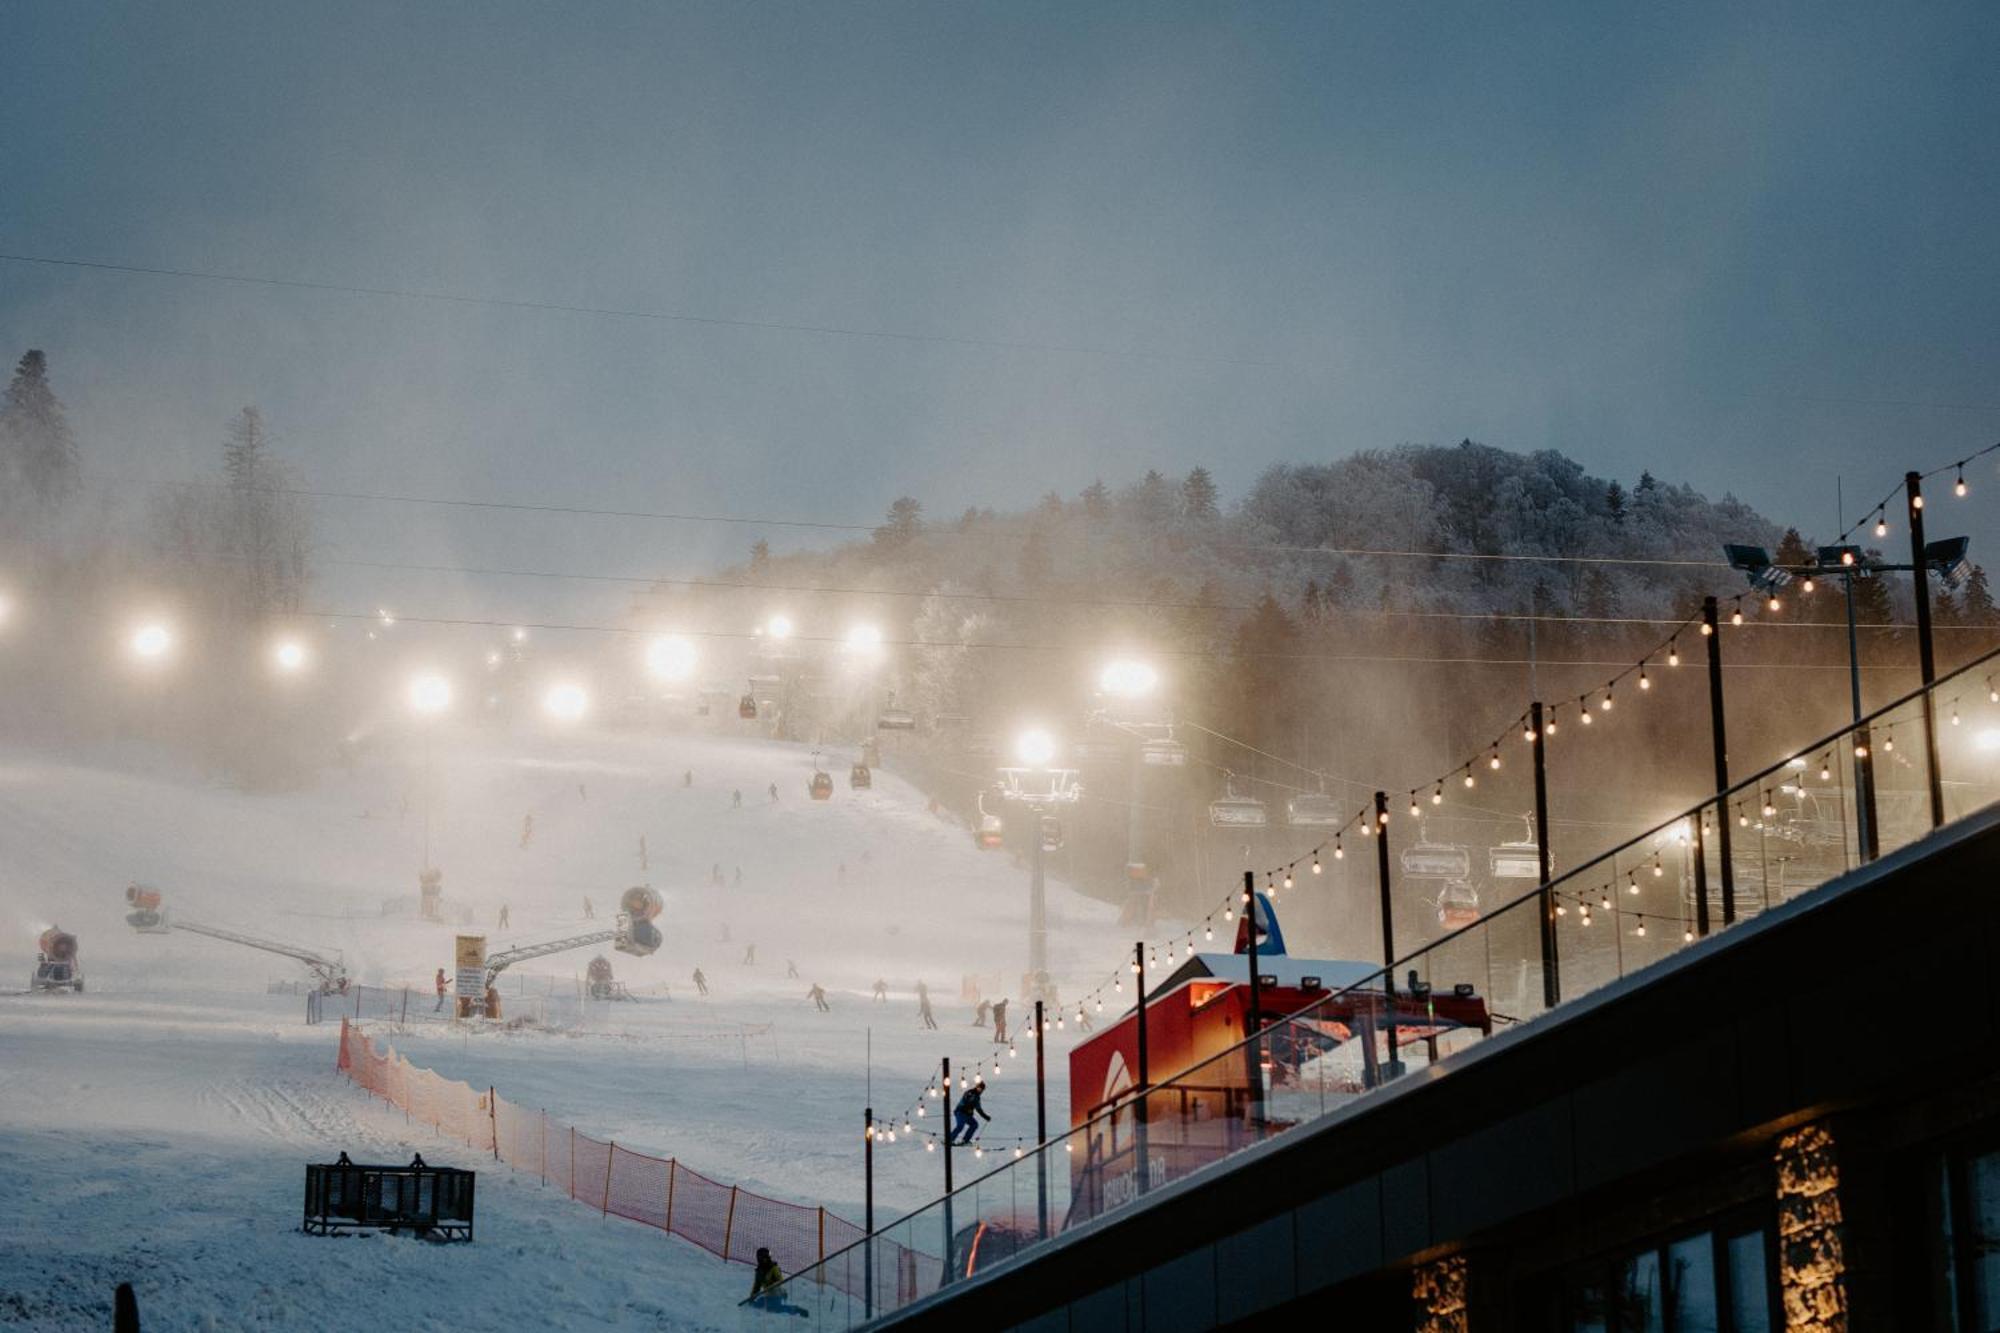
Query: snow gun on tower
x=634 y=933
x=148 y=916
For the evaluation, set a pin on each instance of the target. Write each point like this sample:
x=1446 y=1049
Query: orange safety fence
x=725 y=1220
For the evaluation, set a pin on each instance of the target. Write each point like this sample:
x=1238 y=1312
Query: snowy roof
x=1333 y=973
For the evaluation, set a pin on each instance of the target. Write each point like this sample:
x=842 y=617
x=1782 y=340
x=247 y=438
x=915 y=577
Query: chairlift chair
x=1519 y=859
x=991 y=829
x=746 y=708
x=896 y=719
x=1436 y=860
x=1457 y=903
x=1313 y=809
x=1163 y=754
x=1233 y=811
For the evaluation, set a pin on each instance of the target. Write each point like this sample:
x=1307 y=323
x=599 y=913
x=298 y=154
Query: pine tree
x=1978 y=606
x=760 y=556
x=1036 y=565
x=1198 y=497
x=37 y=451
x=1614 y=500
x=1152 y=499
x=1311 y=605
x=906 y=520
x=1096 y=499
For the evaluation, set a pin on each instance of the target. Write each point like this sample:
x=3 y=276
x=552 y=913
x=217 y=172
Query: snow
x=153 y=1129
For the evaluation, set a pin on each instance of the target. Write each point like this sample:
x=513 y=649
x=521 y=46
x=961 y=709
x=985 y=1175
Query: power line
x=616 y=312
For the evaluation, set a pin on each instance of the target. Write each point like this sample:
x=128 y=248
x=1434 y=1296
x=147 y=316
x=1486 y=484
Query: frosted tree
x=37 y=452
x=905 y=522
x=1198 y=497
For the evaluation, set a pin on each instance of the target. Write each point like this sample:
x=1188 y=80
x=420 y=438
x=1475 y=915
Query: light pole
x=1038 y=787
x=1125 y=681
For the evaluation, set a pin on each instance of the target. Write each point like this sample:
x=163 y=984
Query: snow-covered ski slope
x=153 y=1129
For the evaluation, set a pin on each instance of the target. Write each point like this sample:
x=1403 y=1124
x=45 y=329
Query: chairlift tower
x=1041 y=791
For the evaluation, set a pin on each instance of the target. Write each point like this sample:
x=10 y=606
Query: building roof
x=1333 y=973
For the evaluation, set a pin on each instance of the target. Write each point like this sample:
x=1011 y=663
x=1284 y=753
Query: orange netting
x=723 y=1219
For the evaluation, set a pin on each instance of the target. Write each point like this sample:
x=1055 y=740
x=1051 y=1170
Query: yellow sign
x=471 y=967
x=472 y=951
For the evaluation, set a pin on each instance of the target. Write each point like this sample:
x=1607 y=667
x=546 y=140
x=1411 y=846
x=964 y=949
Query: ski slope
x=153 y=1128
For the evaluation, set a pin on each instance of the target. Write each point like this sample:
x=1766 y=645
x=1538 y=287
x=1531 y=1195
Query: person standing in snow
x=791 y=970
x=963 y=1122
x=739 y=877
x=881 y=991
x=736 y=799
x=687 y=778
x=981 y=1015
x=440 y=991
x=818 y=996
x=750 y=956
x=999 y=1020
x=700 y=982
x=774 y=793
x=589 y=912
x=503 y=917
x=924 y=1013
x=527 y=830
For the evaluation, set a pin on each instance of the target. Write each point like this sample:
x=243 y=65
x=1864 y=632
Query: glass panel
x=1691 y=1299
x=1981 y=1245
x=1749 y=1288
x=1586 y=1309
x=1636 y=1293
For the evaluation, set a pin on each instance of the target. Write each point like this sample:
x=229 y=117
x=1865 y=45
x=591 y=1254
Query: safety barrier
x=726 y=1220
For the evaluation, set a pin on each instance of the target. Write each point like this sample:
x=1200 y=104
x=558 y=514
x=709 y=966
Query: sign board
x=471 y=960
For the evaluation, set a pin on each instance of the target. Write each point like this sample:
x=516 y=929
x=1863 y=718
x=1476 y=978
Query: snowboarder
x=766 y=1284
x=687 y=778
x=503 y=917
x=589 y=912
x=736 y=799
x=981 y=1015
x=962 y=1119
x=527 y=830
x=924 y=1013
x=818 y=996
x=774 y=793
x=881 y=991
x=999 y=1020
x=791 y=970
x=750 y=956
x=700 y=982
x=440 y=991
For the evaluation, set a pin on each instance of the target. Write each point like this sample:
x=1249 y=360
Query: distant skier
x=924 y=1013
x=503 y=917
x=736 y=799
x=527 y=830
x=962 y=1119
x=818 y=996
x=700 y=982
x=715 y=874
x=841 y=874
x=881 y=991
x=644 y=864
x=791 y=970
x=440 y=991
x=982 y=1015
x=589 y=912
x=774 y=793
x=766 y=1287
x=750 y=956
x=582 y=791
x=739 y=876
x=687 y=778
x=999 y=1020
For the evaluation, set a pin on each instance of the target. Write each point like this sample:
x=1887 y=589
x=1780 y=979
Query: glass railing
x=1859 y=793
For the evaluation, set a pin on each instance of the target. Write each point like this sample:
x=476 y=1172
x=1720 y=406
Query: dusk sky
x=1747 y=247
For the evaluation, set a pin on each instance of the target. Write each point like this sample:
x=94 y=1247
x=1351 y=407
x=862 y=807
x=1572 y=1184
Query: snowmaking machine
x=149 y=916
x=600 y=984
x=56 y=965
x=634 y=933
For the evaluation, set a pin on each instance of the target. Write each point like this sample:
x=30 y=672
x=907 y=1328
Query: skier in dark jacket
x=999 y=1020
x=963 y=1122
x=767 y=1287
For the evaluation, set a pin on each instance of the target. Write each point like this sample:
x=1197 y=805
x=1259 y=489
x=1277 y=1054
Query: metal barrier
x=432 y=1201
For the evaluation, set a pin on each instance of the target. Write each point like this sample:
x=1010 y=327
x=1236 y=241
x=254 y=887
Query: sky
x=1747 y=247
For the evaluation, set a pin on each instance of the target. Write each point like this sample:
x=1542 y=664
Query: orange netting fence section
x=725 y=1220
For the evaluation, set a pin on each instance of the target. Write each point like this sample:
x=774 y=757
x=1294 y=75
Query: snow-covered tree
x=906 y=520
x=1198 y=497
x=1096 y=499
x=37 y=452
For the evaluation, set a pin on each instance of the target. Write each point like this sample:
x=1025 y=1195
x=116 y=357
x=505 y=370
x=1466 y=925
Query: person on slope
x=503 y=917
x=818 y=996
x=774 y=793
x=766 y=1284
x=750 y=955
x=589 y=912
x=924 y=1014
x=736 y=799
x=963 y=1122
x=687 y=778
x=791 y=970
x=700 y=982
x=999 y=1020
x=881 y=991
x=982 y=1015
x=440 y=991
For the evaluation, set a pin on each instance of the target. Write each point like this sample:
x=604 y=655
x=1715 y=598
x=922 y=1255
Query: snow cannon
x=598 y=978
x=57 y=945
x=147 y=914
x=638 y=935
x=55 y=962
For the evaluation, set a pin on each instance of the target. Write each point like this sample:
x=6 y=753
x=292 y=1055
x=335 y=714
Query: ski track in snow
x=154 y=1128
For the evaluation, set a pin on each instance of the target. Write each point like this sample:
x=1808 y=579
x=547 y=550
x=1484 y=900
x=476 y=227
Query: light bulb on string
x=1605 y=704
x=1808 y=585
x=1584 y=913
x=1631 y=884
x=1769 y=808
x=1528 y=734
x=1992 y=694
x=1742 y=819
x=1100 y=1004
x=1736 y=615
x=1773 y=604
x=1687 y=936
x=1604 y=899
x=1208 y=932
x=1826 y=767
x=1954 y=712
x=1658 y=868
x=1644 y=682
x=1916 y=502
x=1383 y=819
x=1889 y=739
x=1583 y=710
x=1413 y=805
x=1560 y=909
x=1316 y=865
x=1882 y=522
x=1549 y=729
x=1706 y=629
x=1673 y=652
x=1959 y=488
x=1641 y=928
x=1339 y=852
x=1437 y=797
x=1468 y=775
x=1494 y=762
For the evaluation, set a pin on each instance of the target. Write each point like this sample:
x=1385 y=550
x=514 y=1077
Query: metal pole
x=1699 y=843
x=1041 y=1129
x=1253 y=1026
x=1394 y=1066
x=1551 y=978
x=1038 y=908
x=1920 y=585
x=1711 y=630
x=948 y=1228
x=1140 y=1138
x=868 y=1211
x=1864 y=749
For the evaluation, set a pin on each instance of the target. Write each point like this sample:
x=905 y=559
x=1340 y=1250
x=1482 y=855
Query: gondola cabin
x=746 y=708
x=821 y=787
x=992 y=833
x=860 y=778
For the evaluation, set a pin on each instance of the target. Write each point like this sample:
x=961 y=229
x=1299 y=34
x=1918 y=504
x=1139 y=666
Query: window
x=1970 y=1232
x=1712 y=1281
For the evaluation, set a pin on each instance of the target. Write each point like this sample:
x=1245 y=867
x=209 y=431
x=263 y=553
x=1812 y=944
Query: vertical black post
x=948 y=1228
x=1041 y=1128
x=1394 y=1066
x=1144 y=1086
x=1253 y=1025
x=1711 y=631
x=1864 y=744
x=1038 y=907
x=1920 y=586
x=1700 y=844
x=868 y=1211
x=1551 y=980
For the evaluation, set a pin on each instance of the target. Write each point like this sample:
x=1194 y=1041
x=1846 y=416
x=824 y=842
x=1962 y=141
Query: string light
x=1339 y=852
x=1644 y=683
x=1494 y=762
x=1774 y=604
x=1916 y=502
x=1742 y=819
x=1826 y=766
x=1860 y=750
x=1658 y=868
x=1631 y=884
x=1808 y=585
x=1673 y=652
x=1528 y=734
x=1316 y=869
x=1583 y=709
x=1437 y=797
x=1882 y=522
x=1889 y=739
x=1208 y=932
x=1960 y=488
x=1769 y=809
x=1413 y=805
x=1641 y=929
x=1560 y=909
x=1954 y=712
x=1706 y=629
x=1549 y=729
x=930 y=1145
x=1468 y=775
x=1992 y=694
x=1736 y=615
x=1606 y=703
x=1687 y=935
x=1604 y=899
x=1383 y=819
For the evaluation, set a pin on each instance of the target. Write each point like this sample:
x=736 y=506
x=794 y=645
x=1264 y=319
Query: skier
x=527 y=830
x=715 y=874
x=750 y=956
x=687 y=778
x=700 y=982
x=980 y=1015
x=589 y=912
x=881 y=991
x=736 y=799
x=503 y=917
x=841 y=874
x=765 y=1287
x=924 y=1013
x=791 y=970
x=774 y=793
x=440 y=991
x=818 y=996
x=962 y=1118
x=739 y=877
x=582 y=792
x=999 y=1020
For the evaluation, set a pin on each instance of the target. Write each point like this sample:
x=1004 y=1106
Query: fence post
x=1920 y=586
x=572 y=1161
x=610 y=1151
x=1718 y=724
x=493 y=1118
x=673 y=1166
x=1551 y=978
x=822 y=1233
x=729 y=1224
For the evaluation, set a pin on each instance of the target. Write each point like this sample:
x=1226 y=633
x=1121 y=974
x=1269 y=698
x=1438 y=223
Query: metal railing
x=1796 y=825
